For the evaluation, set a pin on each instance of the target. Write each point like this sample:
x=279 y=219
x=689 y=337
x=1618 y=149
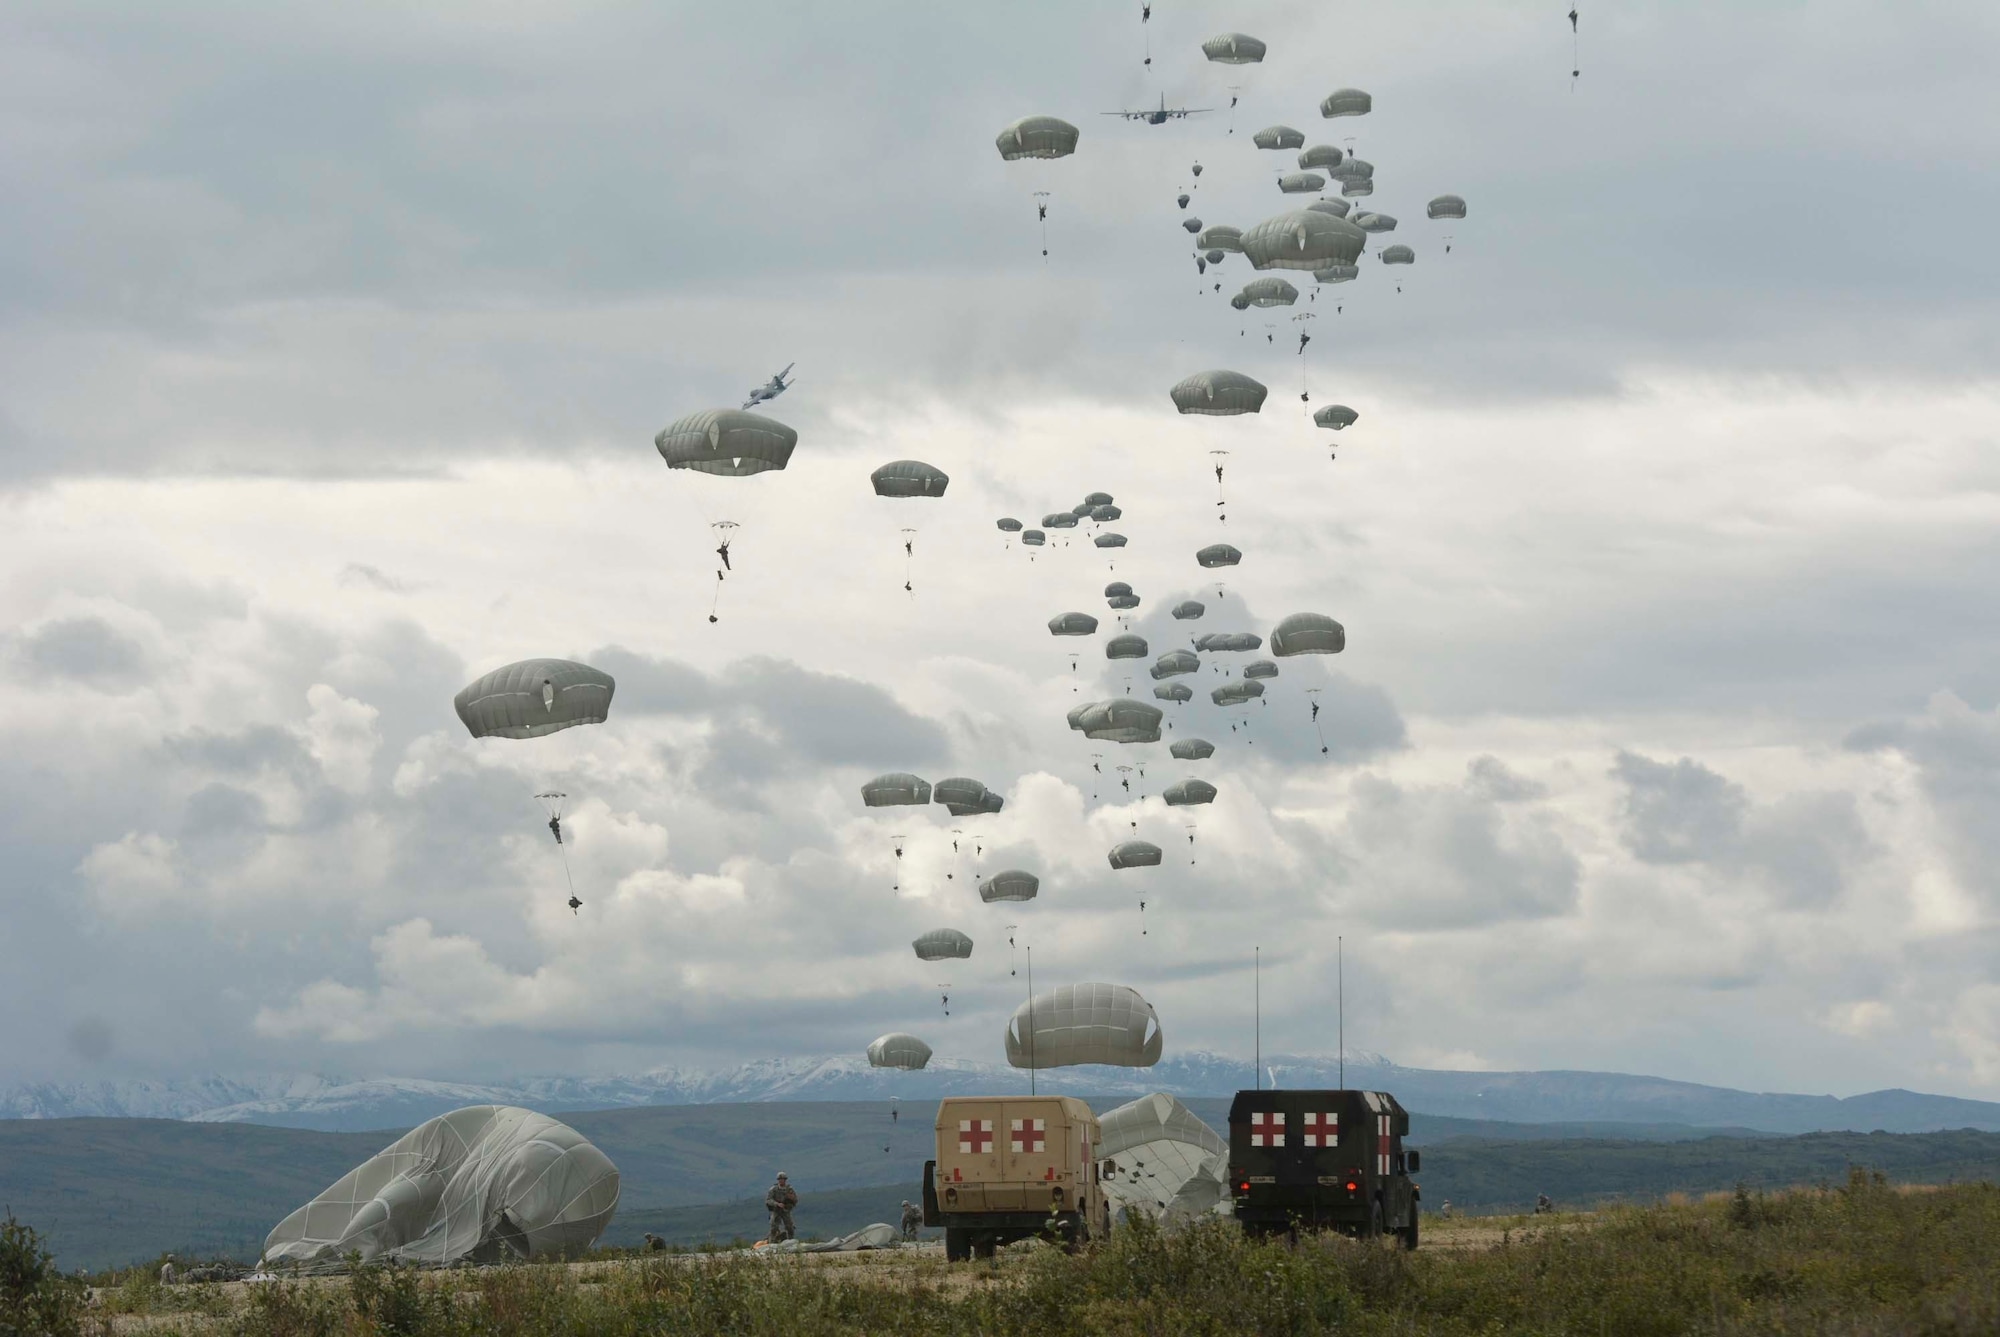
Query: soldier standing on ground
x=779 y=1202
x=168 y=1272
x=913 y=1216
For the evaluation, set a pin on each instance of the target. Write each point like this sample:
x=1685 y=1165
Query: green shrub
x=35 y=1299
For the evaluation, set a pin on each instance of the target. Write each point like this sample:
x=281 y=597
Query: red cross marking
x=1382 y=1144
x=1028 y=1135
x=1322 y=1130
x=1267 y=1126
x=975 y=1136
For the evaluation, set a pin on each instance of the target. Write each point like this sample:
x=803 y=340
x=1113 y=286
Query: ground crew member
x=913 y=1216
x=1542 y=1204
x=168 y=1273
x=779 y=1202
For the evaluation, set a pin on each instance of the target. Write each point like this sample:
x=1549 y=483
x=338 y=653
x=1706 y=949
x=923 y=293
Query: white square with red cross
x=975 y=1136
x=1028 y=1135
x=1321 y=1130
x=1267 y=1130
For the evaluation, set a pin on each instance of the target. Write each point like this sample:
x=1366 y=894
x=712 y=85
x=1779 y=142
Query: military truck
x=1322 y=1160
x=1010 y=1168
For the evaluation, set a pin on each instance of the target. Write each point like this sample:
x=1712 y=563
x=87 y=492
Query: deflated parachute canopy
x=895 y=790
x=1188 y=610
x=1085 y=1023
x=898 y=1050
x=1161 y=1161
x=1278 y=137
x=1127 y=646
x=1445 y=206
x=1119 y=720
x=942 y=944
x=1303 y=239
x=1219 y=394
x=909 y=478
x=1188 y=792
x=1336 y=416
x=1233 y=48
x=1308 y=634
x=1219 y=554
x=1192 y=749
x=1037 y=137
x=1072 y=624
x=488 y=1183
x=533 y=698
x=1174 y=663
x=1346 y=102
x=1270 y=291
x=1135 y=854
x=1010 y=884
x=1178 y=692
x=727 y=442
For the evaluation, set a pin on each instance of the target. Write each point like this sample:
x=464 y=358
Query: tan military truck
x=1009 y=1166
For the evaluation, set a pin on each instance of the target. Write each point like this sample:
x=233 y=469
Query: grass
x=1862 y=1258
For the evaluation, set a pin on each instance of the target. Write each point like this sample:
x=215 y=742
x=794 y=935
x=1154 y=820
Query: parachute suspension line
x=1317 y=729
x=552 y=803
x=944 y=992
x=1042 y=212
x=1013 y=959
x=725 y=534
x=956 y=834
x=1190 y=831
x=909 y=558
x=1221 y=498
x=1575 y=51
x=896 y=843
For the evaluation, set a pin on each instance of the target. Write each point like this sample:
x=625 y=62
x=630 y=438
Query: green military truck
x=1322 y=1160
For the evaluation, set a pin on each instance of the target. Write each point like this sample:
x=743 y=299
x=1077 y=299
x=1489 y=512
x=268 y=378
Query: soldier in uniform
x=913 y=1217
x=779 y=1202
x=168 y=1272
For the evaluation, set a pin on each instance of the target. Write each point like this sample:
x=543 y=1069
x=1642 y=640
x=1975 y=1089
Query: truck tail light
x=951 y=1196
x=1352 y=1186
x=1243 y=1187
x=1056 y=1195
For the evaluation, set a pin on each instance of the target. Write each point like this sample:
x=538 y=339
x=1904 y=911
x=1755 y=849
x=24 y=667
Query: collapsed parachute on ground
x=897 y=789
x=1085 y=1023
x=1279 y=137
x=1127 y=646
x=1119 y=720
x=961 y=795
x=1219 y=394
x=1336 y=416
x=726 y=442
x=1010 y=884
x=1301 y=183
x=1135 y=854
x=1260 y=668
x=1177 y=692
x=1008 y=524
x=1188 y=793
x=1192 y=749
x=1346 y=102
x=1161 y=1161
x=1072 y=624
x=1233 y=48
x=1308 y=634
x=534 y=698
x=1445 y=206
x=909 y=478
x=1188 y=610
x=1270 y=291
x=1219 y=554
x=488 y=1183
x=942 y=944
x=1220 y=237
x=898 y=1050
x=1037 y=137
x=1174 y=663
x=1303 y=239
x=1236 y=693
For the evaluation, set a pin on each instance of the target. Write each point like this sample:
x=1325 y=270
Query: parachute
x=1398 y=255
x=1301 y=183
x=1174 y=663
x=1192 y=749
x=942 y=944
x=1085 y=1023
x=1109 y=540
x=1033 y=538
x=1346 y=102
x=909 y=478
x=1236 y=693
x=534 y=698
x=1188 y=792
x=1308 y=634
x=1059 y=520
x=1104 y=512
x=1116 y=588
x=1278 y=137
x=1008 y=524
x=1271 y=291
x=1127 y=646
x=1337 y=274
x=1119 y=720
x=961 y=795
x=1354 y=169
x=1182 y=201
x=1010 y=884
x=1072 y=624
x=1241 y=301
x=1303 y=239
x=1320 y=155
x=1230 y=642
x=1445 y=206
x=1161 y=1161
x=1373 y=223
x=1357 y=189
x=1220 y=237
x=1123 y=601
x=1336 y=416
x=1037 y=137
x=1219 y=554
x=1188 y=610
x=1337 y=208
x=1096 y=499
x=1135 y=854
x=726 y=442
x=1219 y=394
x=898 y=1050
x=1233 y=48
x=897 y=789
x=1260 y=668
x=1177 y=692
x=1193 y=225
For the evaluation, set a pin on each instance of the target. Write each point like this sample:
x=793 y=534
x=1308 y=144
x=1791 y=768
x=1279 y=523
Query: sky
x=333 y=344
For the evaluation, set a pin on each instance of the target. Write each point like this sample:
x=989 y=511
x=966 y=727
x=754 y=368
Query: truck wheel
x=985 y=1244
x=1409 y=1232
x=1375 y=1222
x=957 y=1244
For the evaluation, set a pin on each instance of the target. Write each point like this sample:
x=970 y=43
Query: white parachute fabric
x=1085 y=1023
x=487 y=1183
x=898 y=1050
x=1160 y=1160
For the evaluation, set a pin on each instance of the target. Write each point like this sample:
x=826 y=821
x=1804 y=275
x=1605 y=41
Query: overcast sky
x=333 y=343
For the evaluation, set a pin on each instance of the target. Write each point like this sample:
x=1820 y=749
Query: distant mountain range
x=339 y=1104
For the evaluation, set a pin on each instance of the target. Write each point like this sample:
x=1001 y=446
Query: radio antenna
x=1031 y=1021
x=1340 y=1001
x=1257 y=983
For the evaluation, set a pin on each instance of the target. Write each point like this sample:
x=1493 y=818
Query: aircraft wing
x=1128 y=115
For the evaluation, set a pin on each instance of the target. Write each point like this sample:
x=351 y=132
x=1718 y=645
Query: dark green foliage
x=35 y=1299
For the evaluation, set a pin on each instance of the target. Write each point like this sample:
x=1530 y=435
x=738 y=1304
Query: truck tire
x=985 y=1244
x=1409 y=1232
x=1375 y=1222
x=957 y=1245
